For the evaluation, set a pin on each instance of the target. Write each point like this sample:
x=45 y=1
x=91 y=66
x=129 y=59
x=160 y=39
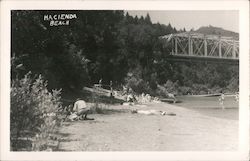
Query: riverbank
x=120 y=130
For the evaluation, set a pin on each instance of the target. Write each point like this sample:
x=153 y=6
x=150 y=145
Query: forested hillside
x=211 y=30
x=112 y=46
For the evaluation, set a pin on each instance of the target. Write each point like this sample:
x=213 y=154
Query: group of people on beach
x=131 y=97
x=140 y=99
x=80 y=110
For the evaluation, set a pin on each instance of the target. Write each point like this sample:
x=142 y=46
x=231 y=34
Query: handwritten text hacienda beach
x=59 y=19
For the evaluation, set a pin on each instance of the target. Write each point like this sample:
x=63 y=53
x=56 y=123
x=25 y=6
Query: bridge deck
x=181 y=58
x=204 y=57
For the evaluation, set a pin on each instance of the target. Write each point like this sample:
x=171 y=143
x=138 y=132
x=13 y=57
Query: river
x=210 y=106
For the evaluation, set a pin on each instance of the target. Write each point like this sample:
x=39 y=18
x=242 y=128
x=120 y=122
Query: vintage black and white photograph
x=126 y=80
x=117 y=80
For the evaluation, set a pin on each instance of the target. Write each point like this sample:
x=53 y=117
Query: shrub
x=34 y=112
x=184 y=90
x=200 y=89
x=138 y=85
x=233 y=85
x=163 y=91
x=216 y=89
x=172 y=87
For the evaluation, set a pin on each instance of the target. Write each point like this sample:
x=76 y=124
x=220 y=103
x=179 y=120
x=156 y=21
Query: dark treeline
x=111 y=45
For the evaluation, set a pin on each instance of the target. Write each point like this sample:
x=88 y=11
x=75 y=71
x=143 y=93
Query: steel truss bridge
x=194 y=45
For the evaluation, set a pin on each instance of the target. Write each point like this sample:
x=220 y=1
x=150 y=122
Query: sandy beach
x=120 y=130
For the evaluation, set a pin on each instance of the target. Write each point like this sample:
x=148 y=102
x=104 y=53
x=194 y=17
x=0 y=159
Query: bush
x=200 y=89
x=162 y=91
x=233 y=85
x=184 y=90
x=216 y=89
x=138 y=85
x=34 y=112
x=172 y=87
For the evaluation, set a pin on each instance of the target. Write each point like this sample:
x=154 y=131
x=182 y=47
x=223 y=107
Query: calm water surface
x=210 y=106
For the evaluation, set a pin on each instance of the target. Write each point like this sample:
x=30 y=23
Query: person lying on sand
x=81 y=110
x=153 y=112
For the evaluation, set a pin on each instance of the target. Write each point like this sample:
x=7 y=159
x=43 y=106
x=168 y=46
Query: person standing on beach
x=221 y=100
x=111 y=88
x=100 y=82
x=236 y=97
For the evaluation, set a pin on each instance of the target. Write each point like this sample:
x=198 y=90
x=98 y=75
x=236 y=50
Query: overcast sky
x=228 y=20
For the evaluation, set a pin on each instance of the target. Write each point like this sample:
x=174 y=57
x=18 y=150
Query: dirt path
x=188 y=130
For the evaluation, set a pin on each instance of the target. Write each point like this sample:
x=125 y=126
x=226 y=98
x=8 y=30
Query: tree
x=148 y=19
x=34 y=113
x=102 y=44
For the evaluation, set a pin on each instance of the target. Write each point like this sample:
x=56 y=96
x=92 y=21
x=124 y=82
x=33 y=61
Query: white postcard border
x=242 y=6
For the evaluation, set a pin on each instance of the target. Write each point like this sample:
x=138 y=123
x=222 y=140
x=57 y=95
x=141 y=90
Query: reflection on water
x=210 y=106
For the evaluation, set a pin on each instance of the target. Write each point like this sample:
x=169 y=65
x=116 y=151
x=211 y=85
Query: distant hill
x=211 y=30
